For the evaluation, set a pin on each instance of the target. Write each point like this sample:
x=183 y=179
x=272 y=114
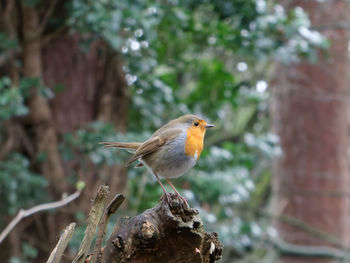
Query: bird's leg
x=161 y=185
x=172 y=186
x=177 y=193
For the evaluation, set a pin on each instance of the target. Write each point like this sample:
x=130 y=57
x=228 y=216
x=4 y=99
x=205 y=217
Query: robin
x=171 y=151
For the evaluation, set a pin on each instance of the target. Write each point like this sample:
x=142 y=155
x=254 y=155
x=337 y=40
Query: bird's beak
x=209 y=126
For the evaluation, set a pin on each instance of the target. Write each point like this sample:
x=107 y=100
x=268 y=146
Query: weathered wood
x=163 y=234
x=111 y=208
x=57 y=252
x=93 y=221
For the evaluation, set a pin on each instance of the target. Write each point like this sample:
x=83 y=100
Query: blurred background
x=272 y=76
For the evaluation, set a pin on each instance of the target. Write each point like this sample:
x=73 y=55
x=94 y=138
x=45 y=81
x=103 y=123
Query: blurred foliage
x=12 y=97
x=18 y=185
x=210 y=58
x=28 y=253
x=11 y=100
x=176 y=51
x=6 y=43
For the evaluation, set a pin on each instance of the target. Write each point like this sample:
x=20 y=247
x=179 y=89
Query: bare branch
x=293 y=221
x=56 y=254
x=36 y=209
x=309 y=251
x=47 y=15
x=331 y=26
x=93 y=221
x=53 y=35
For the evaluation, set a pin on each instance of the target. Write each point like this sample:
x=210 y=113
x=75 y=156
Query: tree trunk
x=93 y=88
x=310 y=115
x=40 y=116
x=113 y=108
x=114 y=100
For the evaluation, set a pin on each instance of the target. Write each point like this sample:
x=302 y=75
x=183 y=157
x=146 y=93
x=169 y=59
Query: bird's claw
x=167 y=197
x=183 y=199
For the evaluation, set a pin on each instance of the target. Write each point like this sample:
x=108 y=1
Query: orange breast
x=194 y=142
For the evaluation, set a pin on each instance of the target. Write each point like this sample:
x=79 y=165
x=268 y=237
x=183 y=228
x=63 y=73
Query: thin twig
x=56 y=254
x=293 y=221
x=55 y=34
x=36 y=209
x=47 y=15
x=308 y=250
x=332 y=26
x=93 y=221
x=111 y=208
x=9 y=144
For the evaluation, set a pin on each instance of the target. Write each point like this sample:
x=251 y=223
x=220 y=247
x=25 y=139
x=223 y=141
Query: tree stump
x=165 y=233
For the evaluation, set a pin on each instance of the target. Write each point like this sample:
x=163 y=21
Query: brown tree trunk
x=114 y=99
x=93 y=88
x=40 y=116
x=310 y=115
x=40 y=120
x=113 y=108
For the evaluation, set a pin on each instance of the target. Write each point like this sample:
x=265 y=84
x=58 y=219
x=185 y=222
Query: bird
x=171 y=151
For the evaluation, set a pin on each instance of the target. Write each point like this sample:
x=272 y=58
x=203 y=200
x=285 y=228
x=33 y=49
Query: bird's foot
x=167 y=197
x=183 y=199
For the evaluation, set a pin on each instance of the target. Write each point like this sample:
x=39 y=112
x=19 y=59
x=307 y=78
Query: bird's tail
x=129 y=146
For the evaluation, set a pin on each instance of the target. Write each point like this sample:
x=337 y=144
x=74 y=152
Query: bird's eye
x=196 y=123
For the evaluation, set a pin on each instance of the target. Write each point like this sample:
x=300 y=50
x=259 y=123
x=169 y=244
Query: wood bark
x=113 y=101
x=72 y=74
x=93 y=87
x=310 y=115
x=166 y=233
x=40 y=116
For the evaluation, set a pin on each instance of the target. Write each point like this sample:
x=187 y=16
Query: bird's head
x=193 y=123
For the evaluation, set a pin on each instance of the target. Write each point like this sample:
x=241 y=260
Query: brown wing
x=153 y=144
